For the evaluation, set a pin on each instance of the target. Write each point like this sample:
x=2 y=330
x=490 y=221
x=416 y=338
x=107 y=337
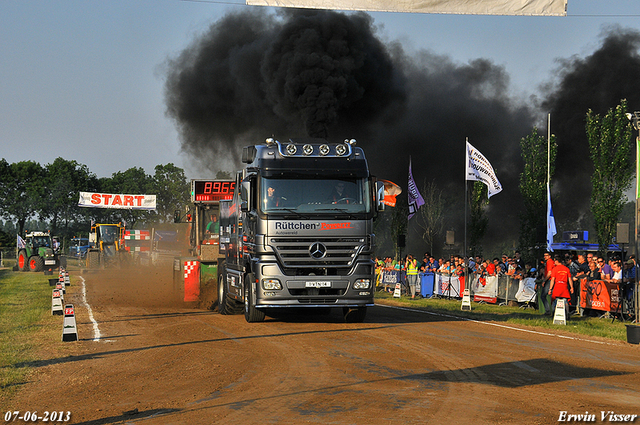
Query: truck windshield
x=39 y=241
x=312 y=195
x=109 y=234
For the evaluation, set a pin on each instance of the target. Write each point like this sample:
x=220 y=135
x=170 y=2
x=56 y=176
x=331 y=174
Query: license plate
x=321 y=284
x=49 y=262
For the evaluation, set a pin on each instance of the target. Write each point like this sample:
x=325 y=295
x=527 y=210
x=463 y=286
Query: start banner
x=119 y=201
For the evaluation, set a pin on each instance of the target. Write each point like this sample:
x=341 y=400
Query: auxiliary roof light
x=291 y=149
x=307 y=149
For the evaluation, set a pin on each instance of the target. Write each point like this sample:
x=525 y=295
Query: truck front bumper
x=274 y=289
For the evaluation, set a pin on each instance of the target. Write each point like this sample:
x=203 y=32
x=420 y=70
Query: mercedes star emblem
x=317 y=250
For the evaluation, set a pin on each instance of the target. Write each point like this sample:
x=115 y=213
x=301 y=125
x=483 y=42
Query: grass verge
x=25 y=322
x=590 y=326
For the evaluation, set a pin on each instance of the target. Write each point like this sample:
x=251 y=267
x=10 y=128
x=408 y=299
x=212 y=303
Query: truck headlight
x=271 y=284
x=362 y=284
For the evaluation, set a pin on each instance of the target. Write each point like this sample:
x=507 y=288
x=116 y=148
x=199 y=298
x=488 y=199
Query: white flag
x=479 y=169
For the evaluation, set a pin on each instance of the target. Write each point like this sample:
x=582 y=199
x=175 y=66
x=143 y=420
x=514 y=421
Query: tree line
x=50 y=193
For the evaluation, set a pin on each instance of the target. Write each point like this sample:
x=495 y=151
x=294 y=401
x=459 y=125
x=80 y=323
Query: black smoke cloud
x=323 y=73
x=299 y=73
x=597 y=82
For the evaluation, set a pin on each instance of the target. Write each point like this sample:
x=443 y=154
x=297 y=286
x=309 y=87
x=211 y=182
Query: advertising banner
x=471 y=7
x=447 y=286
x=526 y=290
x=599 y=295
x=486 y=289
x=118 y=201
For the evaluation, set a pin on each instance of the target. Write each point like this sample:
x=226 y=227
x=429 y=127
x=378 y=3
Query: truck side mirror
x=245 y=196
x=379 y=196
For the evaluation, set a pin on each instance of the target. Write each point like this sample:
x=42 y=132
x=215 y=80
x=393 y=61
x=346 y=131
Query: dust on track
x=162 y=360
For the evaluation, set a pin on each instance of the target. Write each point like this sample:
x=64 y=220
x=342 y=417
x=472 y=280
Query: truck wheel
x=354 y=315
x=36 y=263
x=251 y=313
x=23 y=261
x=226 y=304
x=93 y=260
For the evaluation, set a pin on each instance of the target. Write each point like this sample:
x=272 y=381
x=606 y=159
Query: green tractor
x=36 y=252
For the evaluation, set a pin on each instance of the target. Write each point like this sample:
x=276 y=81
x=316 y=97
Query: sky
x=84 y=79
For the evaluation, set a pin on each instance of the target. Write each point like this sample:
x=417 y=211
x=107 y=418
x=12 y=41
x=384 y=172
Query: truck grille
x=297 y=252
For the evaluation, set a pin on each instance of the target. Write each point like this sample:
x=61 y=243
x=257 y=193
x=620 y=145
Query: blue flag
x=551 y=221
x=415 y=199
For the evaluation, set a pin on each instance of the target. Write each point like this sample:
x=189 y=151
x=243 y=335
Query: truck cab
x=299 y=230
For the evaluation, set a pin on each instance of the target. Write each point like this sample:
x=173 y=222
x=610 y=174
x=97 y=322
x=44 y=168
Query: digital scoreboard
x=212 y=190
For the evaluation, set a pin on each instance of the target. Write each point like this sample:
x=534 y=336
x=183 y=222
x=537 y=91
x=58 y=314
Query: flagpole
x=548 y=149
x=466 y=191
x=548 y=176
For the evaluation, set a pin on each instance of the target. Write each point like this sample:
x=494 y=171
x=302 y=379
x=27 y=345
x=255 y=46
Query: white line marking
x=495 y=324
x=96 y=329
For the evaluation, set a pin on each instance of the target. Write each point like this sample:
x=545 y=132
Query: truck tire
x=251 y=313
x=226 y=304
x=354 y=315
x=36 y=263
x=23 y=261
x=93 y=260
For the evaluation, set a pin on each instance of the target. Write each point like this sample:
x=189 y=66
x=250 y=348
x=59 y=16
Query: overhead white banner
x=479 y=168
x=462 y=7
x=118 y=201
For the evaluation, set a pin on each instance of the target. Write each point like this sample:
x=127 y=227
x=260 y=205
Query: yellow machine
x=106 y=246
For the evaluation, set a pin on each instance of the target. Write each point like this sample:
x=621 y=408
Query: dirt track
x=159 y=361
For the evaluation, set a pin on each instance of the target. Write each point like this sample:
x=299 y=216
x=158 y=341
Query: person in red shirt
x=491 y=268
x=544 y=287
x=561 y=284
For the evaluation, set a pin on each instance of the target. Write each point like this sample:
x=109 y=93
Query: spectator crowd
x=556 y=276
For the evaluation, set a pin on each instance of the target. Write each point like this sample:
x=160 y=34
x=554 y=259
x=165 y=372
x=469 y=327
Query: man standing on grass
x=561 y=285
x=549 y=264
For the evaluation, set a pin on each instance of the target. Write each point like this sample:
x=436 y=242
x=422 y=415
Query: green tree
x=22 y=190
x=533 y=187
x=63 y=180
x=611 y=150
x=224 y=175
x=478 y=220
x=172 y=190
x=431 y=214
x=399 y=223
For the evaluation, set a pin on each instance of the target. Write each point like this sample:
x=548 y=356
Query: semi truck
x=298 y=232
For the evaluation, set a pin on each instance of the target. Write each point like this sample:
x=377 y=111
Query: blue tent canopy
x=592 y=247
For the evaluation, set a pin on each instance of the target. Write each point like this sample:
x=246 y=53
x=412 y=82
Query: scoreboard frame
x=212 y=191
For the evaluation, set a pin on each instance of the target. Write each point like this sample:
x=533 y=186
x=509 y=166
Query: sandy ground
x=160 y=361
